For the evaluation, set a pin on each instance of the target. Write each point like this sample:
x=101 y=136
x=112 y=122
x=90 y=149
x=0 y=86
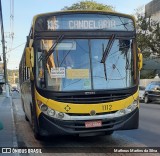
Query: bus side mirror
x=140 y=60
x=29 y=57
x=30 y=60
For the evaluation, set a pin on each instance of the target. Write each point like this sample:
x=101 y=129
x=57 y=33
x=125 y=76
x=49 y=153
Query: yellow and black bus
x=79 y=73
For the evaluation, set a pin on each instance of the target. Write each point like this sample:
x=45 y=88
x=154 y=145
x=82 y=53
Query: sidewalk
x=7 y=134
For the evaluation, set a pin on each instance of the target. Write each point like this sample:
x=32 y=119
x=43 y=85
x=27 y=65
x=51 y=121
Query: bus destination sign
x=84 y=22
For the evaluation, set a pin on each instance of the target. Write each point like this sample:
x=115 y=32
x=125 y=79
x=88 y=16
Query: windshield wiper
x=106 y=52
x=51 y=50
x=108 y=48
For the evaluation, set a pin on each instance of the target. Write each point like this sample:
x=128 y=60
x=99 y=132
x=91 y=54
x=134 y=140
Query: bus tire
x=35 y=126
x=26 y=118
x=22 y=104
x=109 y=132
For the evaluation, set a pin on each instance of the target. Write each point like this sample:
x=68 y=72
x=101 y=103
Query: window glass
x=68 y=68
x=117 y=71
x=75 y=65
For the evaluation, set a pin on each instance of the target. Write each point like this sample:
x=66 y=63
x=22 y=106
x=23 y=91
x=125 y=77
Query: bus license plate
x=90 y=124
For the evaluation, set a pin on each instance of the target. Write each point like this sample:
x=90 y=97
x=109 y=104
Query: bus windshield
x=75 y=65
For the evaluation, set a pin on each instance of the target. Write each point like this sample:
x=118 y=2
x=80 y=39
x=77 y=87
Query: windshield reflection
x=75 y=65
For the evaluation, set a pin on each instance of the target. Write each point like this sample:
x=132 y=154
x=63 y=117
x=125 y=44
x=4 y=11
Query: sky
x=24 y=10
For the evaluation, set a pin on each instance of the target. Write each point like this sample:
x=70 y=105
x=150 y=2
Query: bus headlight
x=132 y=107
x=43 y=107
x=51 y=112
x=60 y=115
x=127 y=110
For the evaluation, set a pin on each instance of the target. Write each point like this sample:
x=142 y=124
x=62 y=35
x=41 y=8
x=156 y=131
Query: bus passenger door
x=27 y=98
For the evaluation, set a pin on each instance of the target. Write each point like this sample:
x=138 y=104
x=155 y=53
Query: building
x=152 y=9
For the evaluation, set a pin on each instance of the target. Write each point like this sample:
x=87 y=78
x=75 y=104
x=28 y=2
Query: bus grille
x=88 y=99
x=87 y=114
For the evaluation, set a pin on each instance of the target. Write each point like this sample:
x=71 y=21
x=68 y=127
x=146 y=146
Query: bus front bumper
x=52 y=126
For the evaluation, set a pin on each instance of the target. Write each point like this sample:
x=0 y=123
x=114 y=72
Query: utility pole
x=4 y=52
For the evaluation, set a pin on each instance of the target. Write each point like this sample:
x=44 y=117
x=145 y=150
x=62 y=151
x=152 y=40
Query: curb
x=15 y=143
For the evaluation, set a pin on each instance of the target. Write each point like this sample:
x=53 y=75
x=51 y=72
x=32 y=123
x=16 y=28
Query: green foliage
x=89 y=5
x=148 y=74
x=13 y=76
x=10 y=72
x=148 y=36
x=148 y=39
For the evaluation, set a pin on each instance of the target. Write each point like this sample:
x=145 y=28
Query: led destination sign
x=84 y=22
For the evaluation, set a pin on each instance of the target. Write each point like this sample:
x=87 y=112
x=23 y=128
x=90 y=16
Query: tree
x=148 y=36
x=89 y=5
x=148 y=39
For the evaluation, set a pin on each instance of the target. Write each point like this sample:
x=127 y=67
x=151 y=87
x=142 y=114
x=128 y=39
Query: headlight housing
x=51 y=112
x=129 y=109
x=63 y=116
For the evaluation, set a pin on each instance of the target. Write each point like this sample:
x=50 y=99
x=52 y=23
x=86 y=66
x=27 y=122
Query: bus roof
x=82 y=11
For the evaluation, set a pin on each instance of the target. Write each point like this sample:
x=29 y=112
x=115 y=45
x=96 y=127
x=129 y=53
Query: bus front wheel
x=35 y=127
x=109 y=132
x=26 y=118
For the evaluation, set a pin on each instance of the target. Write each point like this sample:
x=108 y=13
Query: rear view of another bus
x=83 y=73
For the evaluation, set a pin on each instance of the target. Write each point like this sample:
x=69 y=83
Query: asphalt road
x=149 y=125
x=145 y=136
